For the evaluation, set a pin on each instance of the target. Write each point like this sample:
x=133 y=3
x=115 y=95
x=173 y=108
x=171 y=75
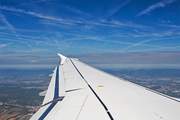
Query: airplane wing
x=78 y=91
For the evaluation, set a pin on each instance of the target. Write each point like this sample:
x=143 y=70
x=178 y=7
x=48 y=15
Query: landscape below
x=19 y=88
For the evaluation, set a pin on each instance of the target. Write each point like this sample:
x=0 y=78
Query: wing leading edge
x=78 y=91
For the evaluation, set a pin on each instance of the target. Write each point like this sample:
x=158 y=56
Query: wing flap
x=78 y=105
x=51 y=89
x=68 y=110
x=43 y=93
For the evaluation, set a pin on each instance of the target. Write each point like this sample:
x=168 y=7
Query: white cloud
x=46 y=19
x=164 y=33
x=155 y=6
x=131 y=58
x=55 y=21
x=29 y=13
x=136 y=30
x=3 y=45
x=174 y=26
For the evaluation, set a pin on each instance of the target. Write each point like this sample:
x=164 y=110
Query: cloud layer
x=132 y=58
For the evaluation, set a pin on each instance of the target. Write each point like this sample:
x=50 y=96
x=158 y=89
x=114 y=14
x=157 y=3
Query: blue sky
x=33 y=31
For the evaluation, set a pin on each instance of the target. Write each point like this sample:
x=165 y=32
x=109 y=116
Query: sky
x=32 y=32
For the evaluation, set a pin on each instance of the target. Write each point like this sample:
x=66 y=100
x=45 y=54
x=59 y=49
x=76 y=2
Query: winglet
x=63 y=58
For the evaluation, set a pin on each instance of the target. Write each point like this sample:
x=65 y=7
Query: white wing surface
x=78 y=91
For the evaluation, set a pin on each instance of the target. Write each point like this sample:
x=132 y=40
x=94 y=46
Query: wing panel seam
x=81 y=107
